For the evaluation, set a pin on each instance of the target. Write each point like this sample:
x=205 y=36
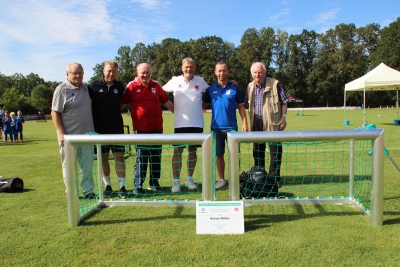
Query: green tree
x=32 y=80
x=97 y=72
x=166 y=59
x=13 y=99
x=302 y=51
x=41 y=97
x=388 y=49
x=256 y=46
x=207 y=51
x=280 y=56
x=342 y=59
x=250 y=49
x=126 y=68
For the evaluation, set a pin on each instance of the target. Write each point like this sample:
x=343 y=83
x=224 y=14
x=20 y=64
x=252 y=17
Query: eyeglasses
x=76 y=73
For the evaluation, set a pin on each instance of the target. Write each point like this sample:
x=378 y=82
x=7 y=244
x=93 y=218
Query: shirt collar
x=262 y=84
x=104 y=81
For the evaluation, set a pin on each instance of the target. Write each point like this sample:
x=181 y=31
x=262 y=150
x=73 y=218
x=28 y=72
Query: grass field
x=35 y=231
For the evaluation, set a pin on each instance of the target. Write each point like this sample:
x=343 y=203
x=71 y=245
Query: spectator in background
x=72 y=114
x=19 y=121
x=7 y=126
x=106 y=94
x=188 y=91
x=13 y=127
x=224 y=97
x=1 y=120
x=266 y=101
x=145 y=96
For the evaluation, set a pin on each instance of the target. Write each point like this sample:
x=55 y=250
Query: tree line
x=311 y=66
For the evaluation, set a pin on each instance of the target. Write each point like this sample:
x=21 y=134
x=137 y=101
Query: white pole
x=397 y=105
x=344 y=105
x=364 y=120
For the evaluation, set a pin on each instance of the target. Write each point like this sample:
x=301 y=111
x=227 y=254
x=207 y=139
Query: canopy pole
x=344 y=106
x=397 y=105
x=364 y=121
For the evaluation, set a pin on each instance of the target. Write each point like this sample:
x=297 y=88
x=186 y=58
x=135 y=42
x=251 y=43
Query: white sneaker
x=190 y=184
x=220 y=183
x=176 y=188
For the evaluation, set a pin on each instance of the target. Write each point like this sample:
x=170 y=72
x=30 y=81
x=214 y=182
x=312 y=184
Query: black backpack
x=256 y=183
x=11 y=185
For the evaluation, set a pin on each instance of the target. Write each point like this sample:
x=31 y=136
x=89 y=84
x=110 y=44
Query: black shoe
x=155 y=186
x=108 y=191
x=89 y=195
x=123 y=193
x=139 y=191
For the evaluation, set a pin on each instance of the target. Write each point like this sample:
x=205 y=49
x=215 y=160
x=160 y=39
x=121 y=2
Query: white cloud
x=152 y=4
x=48 y=22
x=285 y=12
x=325 y=16
x=281 y=17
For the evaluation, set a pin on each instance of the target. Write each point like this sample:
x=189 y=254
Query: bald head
x=144 y=73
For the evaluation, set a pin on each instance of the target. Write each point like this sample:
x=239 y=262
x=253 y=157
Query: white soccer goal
x=76 y=213
x=373 y=141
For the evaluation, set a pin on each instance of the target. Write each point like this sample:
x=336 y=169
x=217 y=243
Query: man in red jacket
x=145 y=96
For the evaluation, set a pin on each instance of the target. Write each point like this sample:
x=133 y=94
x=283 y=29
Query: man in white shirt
x=188 y=91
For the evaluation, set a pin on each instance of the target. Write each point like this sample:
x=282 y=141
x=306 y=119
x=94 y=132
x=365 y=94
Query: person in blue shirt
x=18 y=126
x=224 y=97
x=13 y=126
x=1 y=120
x=7 y=126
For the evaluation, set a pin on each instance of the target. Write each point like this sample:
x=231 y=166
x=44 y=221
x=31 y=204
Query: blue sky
x=43 y=36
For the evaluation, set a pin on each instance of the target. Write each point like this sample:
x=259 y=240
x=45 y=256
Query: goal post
x=75 y=216
x=376 y=136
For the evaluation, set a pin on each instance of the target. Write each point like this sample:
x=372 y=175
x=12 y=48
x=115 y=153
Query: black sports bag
x=11 y=185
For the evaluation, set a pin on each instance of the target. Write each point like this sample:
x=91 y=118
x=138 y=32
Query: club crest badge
x=197 y=87
x=228 y=92
x=153 y=90
x=115 y=91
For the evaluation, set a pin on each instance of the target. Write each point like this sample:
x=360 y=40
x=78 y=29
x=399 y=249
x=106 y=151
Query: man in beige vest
x=266 y=101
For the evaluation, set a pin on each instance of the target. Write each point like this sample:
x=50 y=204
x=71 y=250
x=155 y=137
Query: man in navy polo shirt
x=224 y=97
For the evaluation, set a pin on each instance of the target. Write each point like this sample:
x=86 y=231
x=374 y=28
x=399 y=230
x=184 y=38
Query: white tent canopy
x=382 y=78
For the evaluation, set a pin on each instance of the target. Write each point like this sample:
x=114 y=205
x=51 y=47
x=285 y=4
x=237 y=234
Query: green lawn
x=35 y=230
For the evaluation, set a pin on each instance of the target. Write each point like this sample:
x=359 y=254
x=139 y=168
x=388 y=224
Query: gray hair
x=144 y=63
x=262 y=64
x=69 y=67
x=188 y=59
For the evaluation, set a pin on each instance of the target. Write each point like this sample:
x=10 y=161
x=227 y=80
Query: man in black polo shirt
x=106 y=94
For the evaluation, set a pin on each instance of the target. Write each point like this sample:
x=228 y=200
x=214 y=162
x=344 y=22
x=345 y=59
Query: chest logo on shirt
x=101 y=91
x=153 y=90
x=228 y=92
x=197 y=87
x=115 y=91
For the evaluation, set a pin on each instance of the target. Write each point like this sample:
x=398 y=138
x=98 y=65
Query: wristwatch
x=284 y=115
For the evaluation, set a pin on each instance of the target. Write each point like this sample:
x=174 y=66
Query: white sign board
x=220 y=217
